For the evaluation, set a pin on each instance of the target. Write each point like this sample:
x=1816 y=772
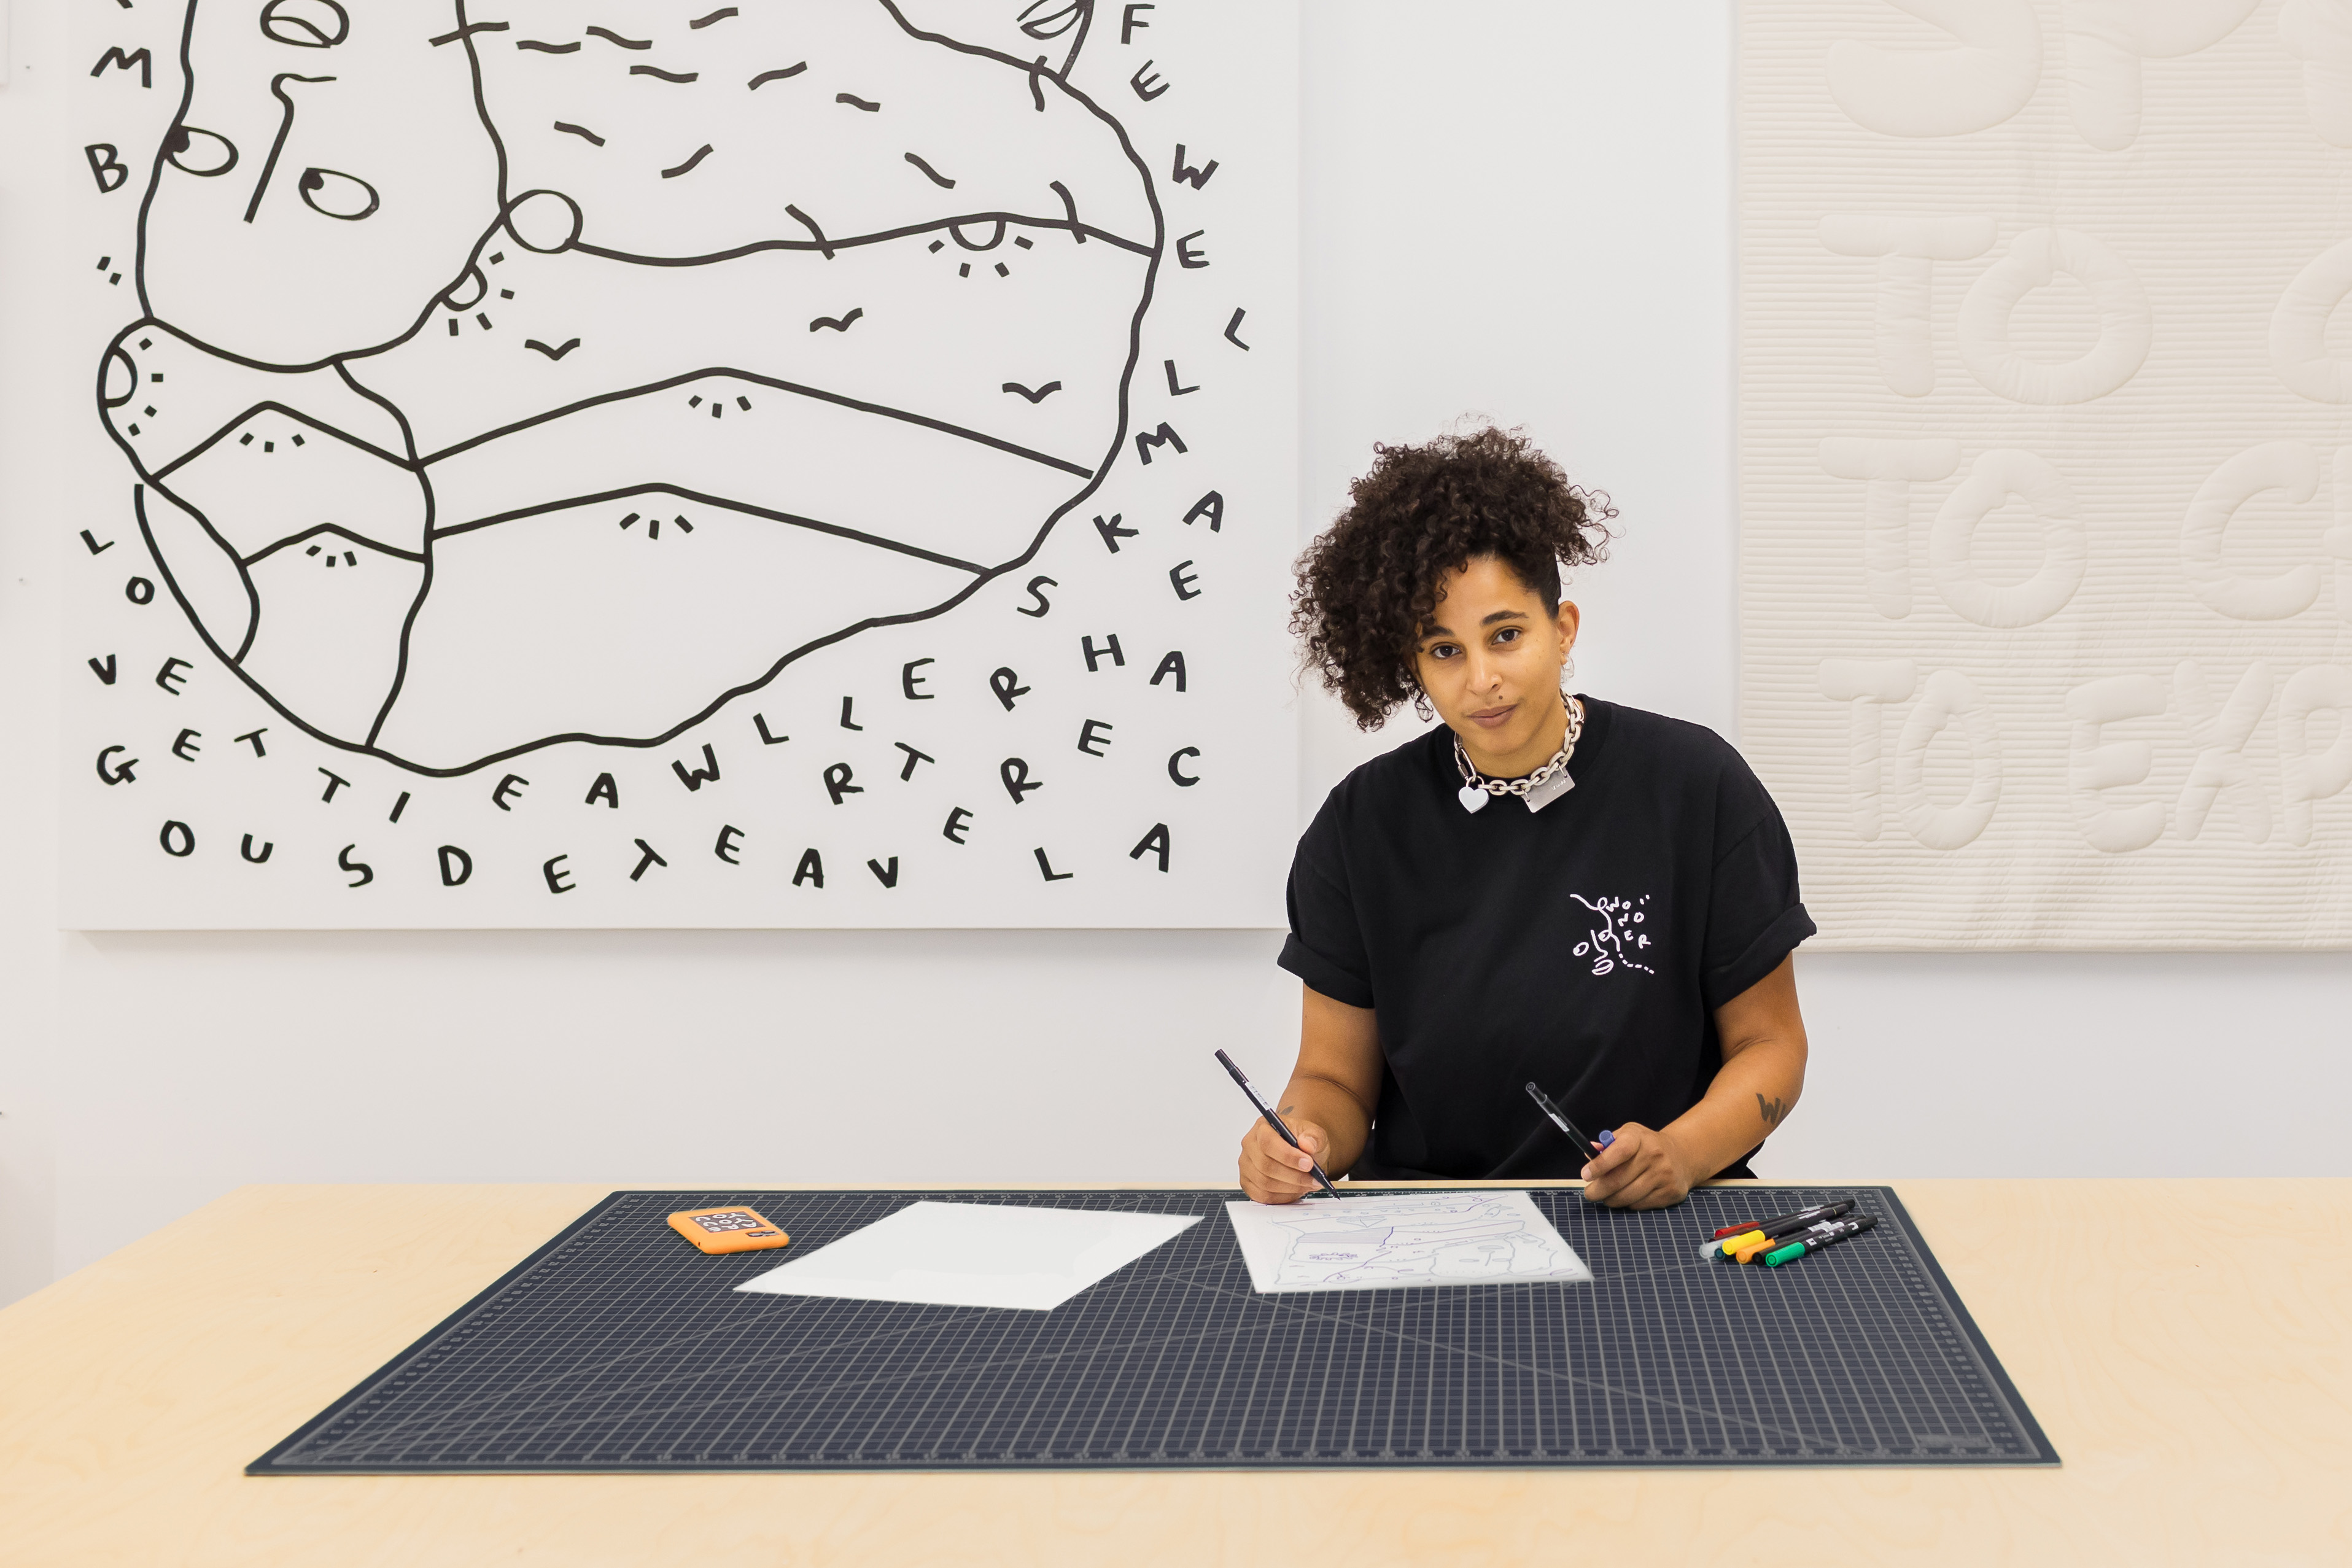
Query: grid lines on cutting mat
x=618 y=1347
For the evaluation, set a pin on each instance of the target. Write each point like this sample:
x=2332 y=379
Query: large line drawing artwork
x=825 y=463
x=717 y=336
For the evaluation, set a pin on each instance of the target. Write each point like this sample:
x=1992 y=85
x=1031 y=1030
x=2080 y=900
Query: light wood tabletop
x=2187 y=1346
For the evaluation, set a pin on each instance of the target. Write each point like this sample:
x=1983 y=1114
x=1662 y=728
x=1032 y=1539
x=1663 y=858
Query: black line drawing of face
x=614 y=370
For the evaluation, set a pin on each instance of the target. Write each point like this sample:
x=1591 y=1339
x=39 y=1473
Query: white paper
x=974 y=1255
x=1369 y=1243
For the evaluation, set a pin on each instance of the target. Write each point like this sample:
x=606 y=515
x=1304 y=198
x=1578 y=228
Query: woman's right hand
x=1274 y=1173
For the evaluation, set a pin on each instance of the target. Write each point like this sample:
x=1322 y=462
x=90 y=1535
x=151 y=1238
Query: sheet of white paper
x=974 y=1255
x=1372 y=1241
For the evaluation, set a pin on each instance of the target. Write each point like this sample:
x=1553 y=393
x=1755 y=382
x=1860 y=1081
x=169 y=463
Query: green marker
x=1813 y=1240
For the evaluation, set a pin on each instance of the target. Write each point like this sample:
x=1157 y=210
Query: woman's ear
x=1567 y=620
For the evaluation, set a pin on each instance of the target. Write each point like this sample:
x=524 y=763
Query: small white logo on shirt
x=1613 y=942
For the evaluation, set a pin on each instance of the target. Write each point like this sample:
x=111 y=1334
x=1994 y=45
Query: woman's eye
x=1443 y=650
x=1508 y=634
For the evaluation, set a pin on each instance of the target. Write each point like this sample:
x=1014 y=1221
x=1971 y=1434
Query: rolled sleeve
x=1325 y=947
x=1754 y=918
x=1321 y=974
x=1759 y=958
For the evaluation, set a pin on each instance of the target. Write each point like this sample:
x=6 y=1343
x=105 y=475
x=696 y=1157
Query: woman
x=1547 y=888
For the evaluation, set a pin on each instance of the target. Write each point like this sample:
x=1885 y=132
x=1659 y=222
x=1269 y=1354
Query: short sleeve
x=1325 y=946
x=1754 y=918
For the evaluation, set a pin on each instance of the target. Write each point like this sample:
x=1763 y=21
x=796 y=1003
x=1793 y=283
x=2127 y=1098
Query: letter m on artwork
x=1145 y=440
x=121 y=61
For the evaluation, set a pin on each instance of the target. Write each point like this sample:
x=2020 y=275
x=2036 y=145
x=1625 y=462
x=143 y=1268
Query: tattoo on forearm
x=1773 y=1110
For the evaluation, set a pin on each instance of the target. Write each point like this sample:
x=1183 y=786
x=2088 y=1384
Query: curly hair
x=1367 y=586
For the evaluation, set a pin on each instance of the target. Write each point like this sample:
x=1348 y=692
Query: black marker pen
x=1277 y=1122
x=1560 y=1119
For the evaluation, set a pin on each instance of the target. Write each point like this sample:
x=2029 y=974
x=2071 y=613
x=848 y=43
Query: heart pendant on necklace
x=1473 y=798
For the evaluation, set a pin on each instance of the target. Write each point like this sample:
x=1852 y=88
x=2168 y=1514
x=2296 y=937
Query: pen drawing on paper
x=1415 y=1238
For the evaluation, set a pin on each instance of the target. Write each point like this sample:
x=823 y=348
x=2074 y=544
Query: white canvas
x=2046 y=467
x=974 y=1255
x=817 y=464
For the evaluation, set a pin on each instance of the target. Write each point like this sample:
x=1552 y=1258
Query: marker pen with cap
x=1803 y=1216
x=1815 y=1240
x=1731 y=1239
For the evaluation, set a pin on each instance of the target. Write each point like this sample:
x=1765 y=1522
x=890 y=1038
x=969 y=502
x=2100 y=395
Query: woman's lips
x=1493 y=718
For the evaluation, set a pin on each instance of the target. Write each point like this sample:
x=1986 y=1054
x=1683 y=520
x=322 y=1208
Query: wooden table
x=2187 y=1345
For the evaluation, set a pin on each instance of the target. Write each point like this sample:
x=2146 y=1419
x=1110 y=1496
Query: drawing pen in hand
x=1560 y=1119
x=1816 y=1238
x=1276 y=1122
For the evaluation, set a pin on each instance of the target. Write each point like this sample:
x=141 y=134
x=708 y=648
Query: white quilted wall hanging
x=825 y=463
x=2046 y=467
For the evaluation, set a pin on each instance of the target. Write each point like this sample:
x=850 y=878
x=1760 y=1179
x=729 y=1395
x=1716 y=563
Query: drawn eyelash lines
x=854 y=101
x=581 y=130
x=687 y=167
x=778 y=75
x=718 y=16
x=666 y=76
x=653 y=524
x=613 y=37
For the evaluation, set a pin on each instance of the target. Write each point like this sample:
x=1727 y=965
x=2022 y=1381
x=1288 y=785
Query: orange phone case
x=734 y=1229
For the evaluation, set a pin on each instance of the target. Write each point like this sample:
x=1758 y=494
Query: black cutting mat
x=619 y=1347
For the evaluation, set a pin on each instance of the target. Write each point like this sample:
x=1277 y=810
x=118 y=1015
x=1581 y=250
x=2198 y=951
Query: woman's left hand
x=1643 y=1168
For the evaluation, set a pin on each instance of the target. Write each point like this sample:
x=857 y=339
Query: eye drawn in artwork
x=545 y=374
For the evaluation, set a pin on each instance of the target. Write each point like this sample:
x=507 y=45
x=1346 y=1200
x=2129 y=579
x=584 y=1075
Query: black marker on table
x=1275 y=1121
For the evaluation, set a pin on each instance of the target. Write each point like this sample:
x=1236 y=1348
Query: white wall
x=1520 y=209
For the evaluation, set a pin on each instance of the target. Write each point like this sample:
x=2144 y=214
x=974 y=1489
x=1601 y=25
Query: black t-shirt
x=1584 y=946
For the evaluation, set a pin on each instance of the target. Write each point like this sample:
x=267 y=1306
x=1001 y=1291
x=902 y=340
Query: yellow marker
x=1732 y=1244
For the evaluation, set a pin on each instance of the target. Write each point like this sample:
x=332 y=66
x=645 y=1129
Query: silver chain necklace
x=1477 y=789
